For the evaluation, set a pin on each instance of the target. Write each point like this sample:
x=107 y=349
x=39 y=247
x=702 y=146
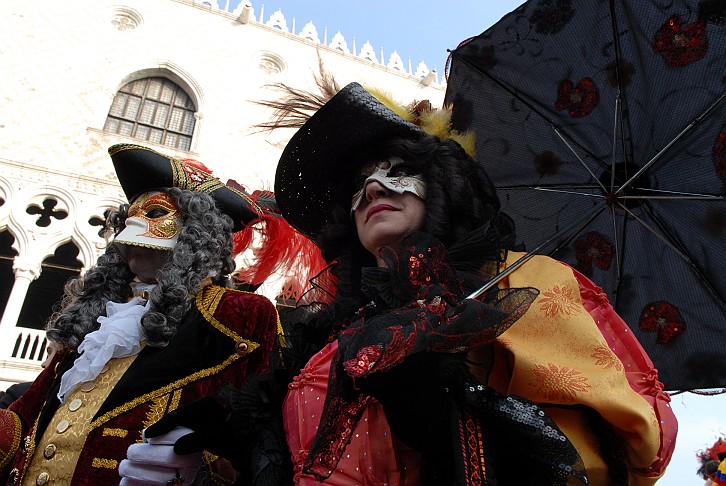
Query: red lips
x=378 y=208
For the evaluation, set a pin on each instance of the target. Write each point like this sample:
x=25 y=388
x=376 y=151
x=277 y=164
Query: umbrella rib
x=620 y=93
x=662 y=151
x=547 y=189
x=615 y=134
x=657 y=234
x=559 y=134
x=680 y=253
x=664 y=194
x=529 y=104
x=616 y=240
x=582 y=222
x=550 y=186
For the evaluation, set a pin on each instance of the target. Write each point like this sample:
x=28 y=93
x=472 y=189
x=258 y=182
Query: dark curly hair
x=460 y=198
x=203 y=250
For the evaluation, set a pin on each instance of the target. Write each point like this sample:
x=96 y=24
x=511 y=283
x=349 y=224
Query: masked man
x=153 y=326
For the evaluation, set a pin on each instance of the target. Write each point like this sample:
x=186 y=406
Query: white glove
x=154 y=462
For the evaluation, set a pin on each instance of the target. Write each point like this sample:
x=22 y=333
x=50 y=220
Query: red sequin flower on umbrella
x=578 y=100
x=681 y=44
x=593 y=248
x=719 y=153
x=664 y=318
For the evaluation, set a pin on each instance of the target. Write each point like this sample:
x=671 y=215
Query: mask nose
x=375 y=189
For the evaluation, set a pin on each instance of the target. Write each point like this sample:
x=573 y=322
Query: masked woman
x=153 y=325
x=399 y=378
x=412 y=382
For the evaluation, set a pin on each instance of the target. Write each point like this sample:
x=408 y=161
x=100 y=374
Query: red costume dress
x=570 y=353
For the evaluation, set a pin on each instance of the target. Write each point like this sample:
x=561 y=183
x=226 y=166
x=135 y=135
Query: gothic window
x=154 y=110
x=7 y=277
x=47 y=213
x=47 y=290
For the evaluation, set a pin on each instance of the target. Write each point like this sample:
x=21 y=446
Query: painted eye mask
x=153 y=222
x=394 y=175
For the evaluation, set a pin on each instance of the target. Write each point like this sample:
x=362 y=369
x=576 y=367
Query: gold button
x=87 y=386
x=242 y=348
x=62 y=426
x=42 y=479
x=49 y=451
x=75 y=405
x=104 y=369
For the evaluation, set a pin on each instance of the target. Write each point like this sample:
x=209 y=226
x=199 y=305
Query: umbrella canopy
x=603 y=125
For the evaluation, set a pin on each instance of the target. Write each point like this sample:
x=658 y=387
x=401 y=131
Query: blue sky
x=423 y=30
x=419 y=30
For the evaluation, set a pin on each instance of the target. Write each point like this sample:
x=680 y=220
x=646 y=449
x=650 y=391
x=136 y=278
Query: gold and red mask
x=154 y=222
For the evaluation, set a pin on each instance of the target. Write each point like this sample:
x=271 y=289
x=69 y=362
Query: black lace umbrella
x=603 y=125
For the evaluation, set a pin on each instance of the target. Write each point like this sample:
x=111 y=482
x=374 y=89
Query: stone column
x=25 y=273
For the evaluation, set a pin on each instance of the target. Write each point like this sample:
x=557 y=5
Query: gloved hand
x=250 y=436
x=154 y=462
x=204 y=420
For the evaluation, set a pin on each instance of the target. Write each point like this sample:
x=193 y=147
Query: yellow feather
x=467 y=140
x=436 y=123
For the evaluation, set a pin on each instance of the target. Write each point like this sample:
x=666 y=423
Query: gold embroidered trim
x=175 y=399
x=144 y=245
x=31 y=446
x=104 y=463
x=200 y=181
x=219 y=480
x=208 y=300
x=156 y=410
x=196 y=180
x=161 y=391
x=109 y=432
x=10 y=453
x=215 y=478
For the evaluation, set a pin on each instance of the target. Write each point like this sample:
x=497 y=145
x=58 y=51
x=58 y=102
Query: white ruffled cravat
x=119 y=336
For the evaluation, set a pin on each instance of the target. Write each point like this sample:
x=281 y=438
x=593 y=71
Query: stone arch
x=178 y=76
x=172 y=71
x=47 y=290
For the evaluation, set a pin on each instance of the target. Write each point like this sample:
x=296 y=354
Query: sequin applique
x=681 y=44
x=593 y=248
x=665 y=319
x=579 y=100
x=366 y=358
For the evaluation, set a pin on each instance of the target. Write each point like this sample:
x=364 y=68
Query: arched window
x=45 y=293
x=7 y=277
x=155 y=110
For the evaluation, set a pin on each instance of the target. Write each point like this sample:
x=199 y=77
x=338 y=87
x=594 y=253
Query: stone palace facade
x=180 y=76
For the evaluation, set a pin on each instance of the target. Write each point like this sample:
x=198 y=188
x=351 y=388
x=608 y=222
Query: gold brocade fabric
x=55 y=458
x=556 y=355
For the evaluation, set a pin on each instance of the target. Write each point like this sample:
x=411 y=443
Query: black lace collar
x=475 y=259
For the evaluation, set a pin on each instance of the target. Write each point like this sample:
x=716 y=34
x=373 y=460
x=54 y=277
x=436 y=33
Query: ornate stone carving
x=125 y=18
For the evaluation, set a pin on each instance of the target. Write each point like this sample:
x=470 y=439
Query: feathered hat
x=141 y=169
x=279 y=248
x=316 y=162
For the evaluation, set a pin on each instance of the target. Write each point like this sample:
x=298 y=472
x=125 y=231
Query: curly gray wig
x=203 y=251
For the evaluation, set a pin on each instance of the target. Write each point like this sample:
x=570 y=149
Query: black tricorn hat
x=140 y=169
x=316 y=160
